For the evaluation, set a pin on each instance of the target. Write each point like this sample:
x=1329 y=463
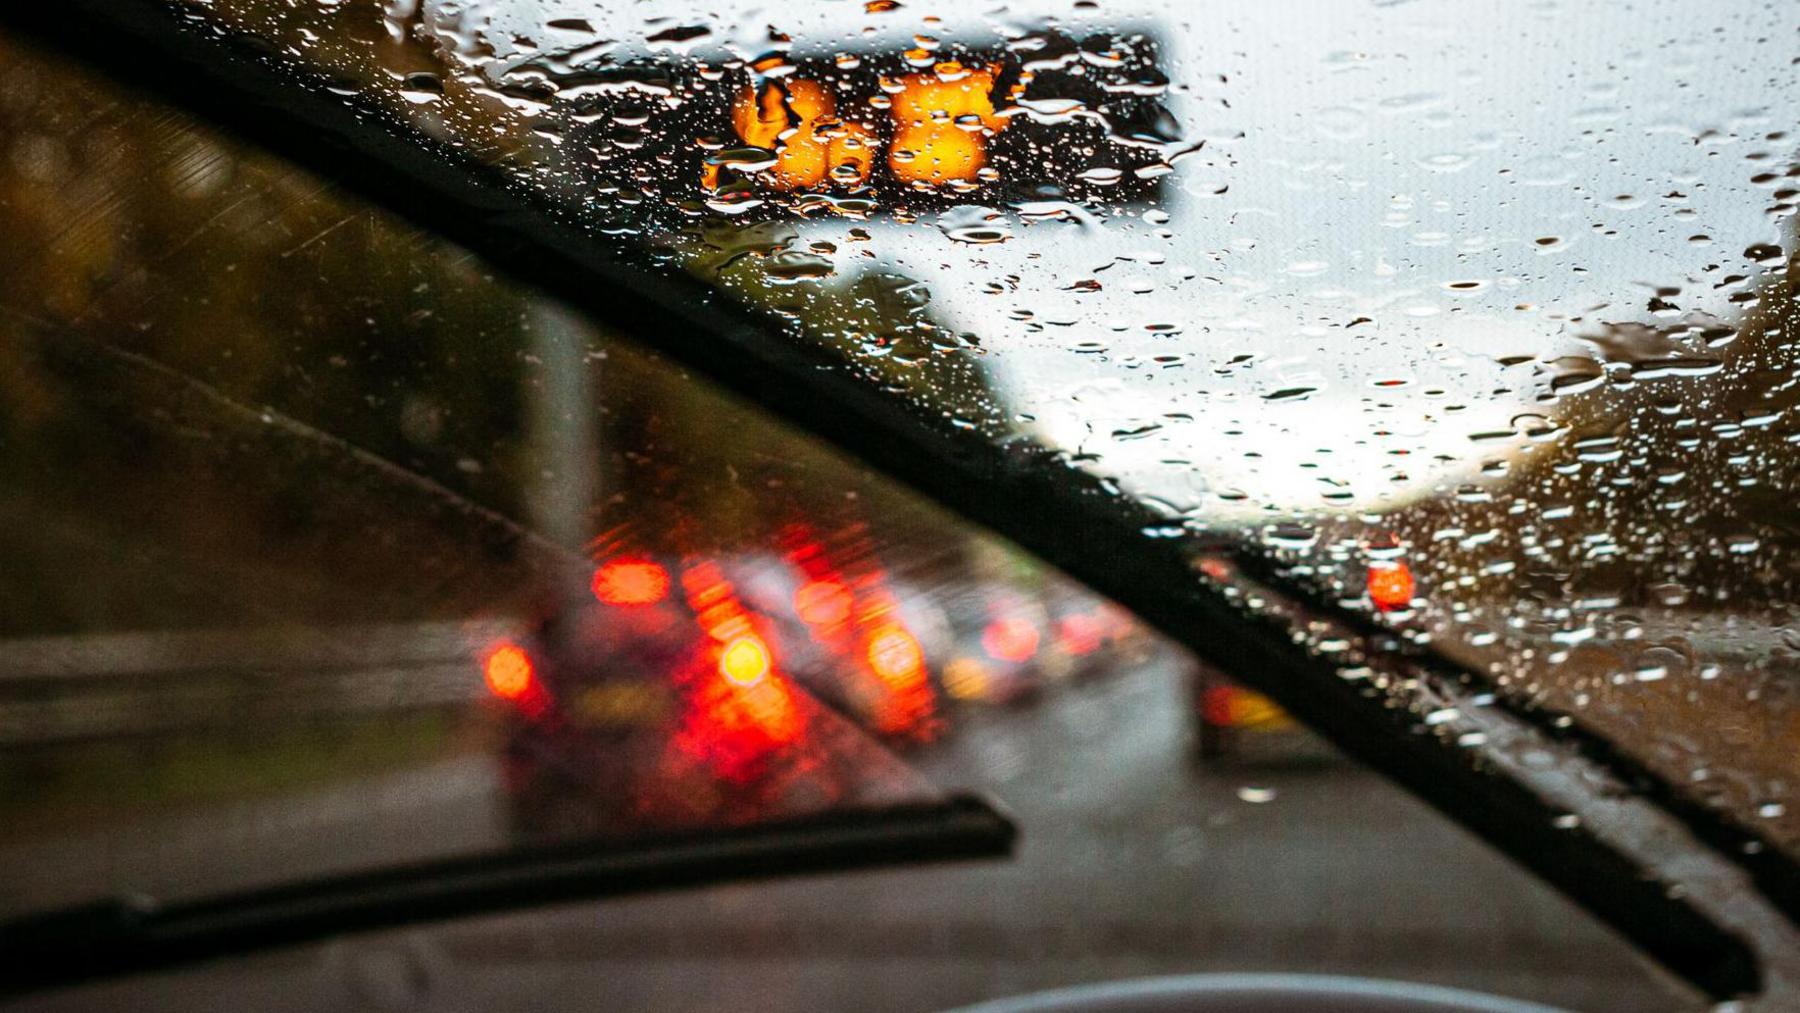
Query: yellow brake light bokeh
x=744 y=661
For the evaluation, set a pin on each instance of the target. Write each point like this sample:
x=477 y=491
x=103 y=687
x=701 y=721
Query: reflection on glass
x=329 y=551
x=1475 y=328
x=1474 y=332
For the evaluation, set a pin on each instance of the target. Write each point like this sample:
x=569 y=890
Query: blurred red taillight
x=823 y=603
x=1010 y=638
x=1391 y=586
x=631 y=582
x=894 y=655
x=508 y=671
x=1080 y=633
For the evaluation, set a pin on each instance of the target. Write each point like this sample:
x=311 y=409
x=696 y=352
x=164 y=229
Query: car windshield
x=304 y=499
x=1427 y=366
x=1488 y=340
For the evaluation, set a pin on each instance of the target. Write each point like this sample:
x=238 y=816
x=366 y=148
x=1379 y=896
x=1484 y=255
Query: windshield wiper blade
x=128 y=935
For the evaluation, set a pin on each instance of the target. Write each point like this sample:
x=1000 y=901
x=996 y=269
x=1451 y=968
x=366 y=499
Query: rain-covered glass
x=326 y=551
x=1472 y=322
x=330 y=552
x=1474 y=318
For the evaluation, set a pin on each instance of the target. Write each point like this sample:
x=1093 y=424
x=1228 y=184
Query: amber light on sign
x=941 y=120
x=798 y=120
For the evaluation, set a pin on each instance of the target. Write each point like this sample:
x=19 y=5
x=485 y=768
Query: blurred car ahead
x=655 y=701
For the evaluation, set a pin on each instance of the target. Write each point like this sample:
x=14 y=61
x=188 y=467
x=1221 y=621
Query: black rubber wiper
x=130 y=935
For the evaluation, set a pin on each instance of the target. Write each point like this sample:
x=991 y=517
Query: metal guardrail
x=81 y=688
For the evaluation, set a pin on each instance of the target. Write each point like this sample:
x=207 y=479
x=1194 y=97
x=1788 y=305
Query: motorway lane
x=1134 y=862
x=447 y=808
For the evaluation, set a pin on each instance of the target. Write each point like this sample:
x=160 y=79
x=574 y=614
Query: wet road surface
x=1134 y=861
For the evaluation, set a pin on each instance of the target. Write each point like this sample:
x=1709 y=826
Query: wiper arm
x=129 y=935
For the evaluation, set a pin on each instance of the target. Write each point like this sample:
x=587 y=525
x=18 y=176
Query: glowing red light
x=705 y=583
x=507 y=671
x=744 y=661
x=1391 y=585
x=631 y=582
x=823 y=602
x=770 y=706
x=1080 y=633
x=1010 y=639
x=907 y=705
x=726 y=622
x=1218 y=704
x=895 y=656
x=741 y=719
